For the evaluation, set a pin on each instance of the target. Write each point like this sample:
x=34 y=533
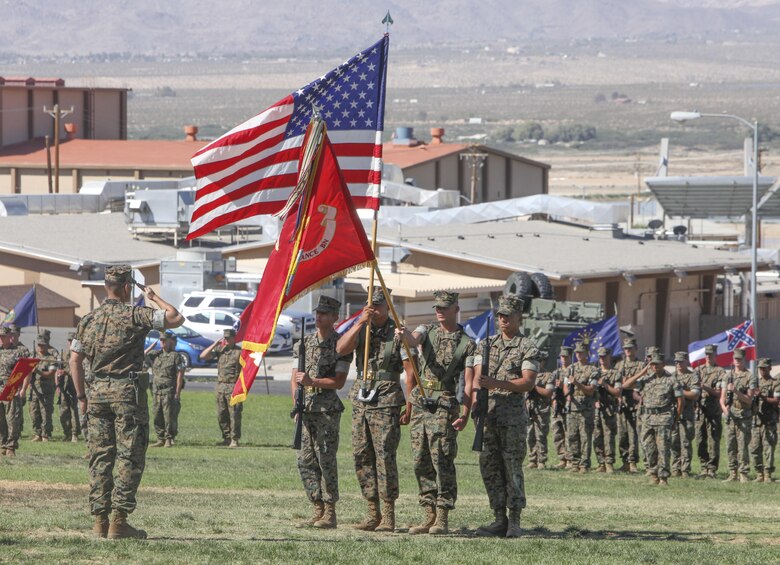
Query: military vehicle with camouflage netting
x=548 y=321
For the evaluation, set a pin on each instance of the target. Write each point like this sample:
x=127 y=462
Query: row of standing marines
x=585 y=405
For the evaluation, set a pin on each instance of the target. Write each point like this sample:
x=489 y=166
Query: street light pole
x=685 y=116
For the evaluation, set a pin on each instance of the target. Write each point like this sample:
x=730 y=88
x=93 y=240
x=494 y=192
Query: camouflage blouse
x=743 y=382
x=111 y=337
x=166 y=366
x=322 y=362
x=384 y=355
x=691 y=382
x=587 y=375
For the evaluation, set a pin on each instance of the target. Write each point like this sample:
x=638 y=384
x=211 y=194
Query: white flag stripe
x=217 y=155
x=217 y=176
x=274 y=195
x=287 y=167
x=227 y=151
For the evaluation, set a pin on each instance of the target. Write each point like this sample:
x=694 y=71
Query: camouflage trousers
x=559 y=436
x=9 y=423
x=538 y=430
x=657 y=443
x=762 y=447
x=228 y=417
x=604 y=434
x=738 y=444
x=42 y=410
x=164 y=413
x=628 y=437
x=118 y=436
x=579 y=438
x=709 y=430
x=501 y=464
x=434 y=449
x=375 y=436
x=317 y=456
x=69 y=416
x=683 y=434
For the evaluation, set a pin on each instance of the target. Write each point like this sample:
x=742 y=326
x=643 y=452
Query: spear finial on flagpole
x=388 y=21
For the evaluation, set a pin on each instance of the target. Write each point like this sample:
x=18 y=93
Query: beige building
x=98 y=113
x=499 y=175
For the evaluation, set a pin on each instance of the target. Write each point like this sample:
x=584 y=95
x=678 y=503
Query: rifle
x=531 y=402
x=560 y=399
x=604 y=401
x=300 y=394
x=729 y=397
x=481 y=405
x=570 y=394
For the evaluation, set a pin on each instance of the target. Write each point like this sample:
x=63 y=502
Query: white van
x=236 y=301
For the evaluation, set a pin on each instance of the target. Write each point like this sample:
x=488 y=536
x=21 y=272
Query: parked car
x=189 y=343
x=212 y=323
x=211 y=299
x=230 y=300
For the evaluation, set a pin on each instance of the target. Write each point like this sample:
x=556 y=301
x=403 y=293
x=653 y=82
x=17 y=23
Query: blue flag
x=140 y=302
x=25 y=313
x=475 y=327
x=599 y=334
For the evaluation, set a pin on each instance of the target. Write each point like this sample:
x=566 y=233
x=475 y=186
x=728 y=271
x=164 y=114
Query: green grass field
x=204 y=504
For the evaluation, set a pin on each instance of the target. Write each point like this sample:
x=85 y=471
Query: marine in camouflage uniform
x=436 y=419
x=167 y=366
x=662 y=397
x=24 y=351
x=228 y=356
x=326 y=372
x=10 y=410
x=377 y=398
x=111 y=338
x=68 y=405
x=764 y=433
x=539 y=405
x=42 y=386
x=559 y=406
x=628 y=408
x=684 y=430
x=605 y=426
x=709 y=428
x=580 y=388
x=739 y=416
x=514 y=362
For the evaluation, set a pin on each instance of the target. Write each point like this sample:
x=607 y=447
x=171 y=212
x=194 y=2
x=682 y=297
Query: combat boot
x=388 y=517
x=572 y=468
x=632 y=468
x=513 y=528
x=120 y=529
x=36 y=438
x=497 y=528
x=768 y=477
x=44 y=438
x=168 y=443
x=428 y=521
x=532 y=465
x=100 y=528
x=74 y=438
x=328 y=520
x=10 y=452
x=602 y=468
x=624 y=467
x=319 y=508
x=2 y=450
x=372 y=520
x=233 y=443
x=685 y=475
x=663 y=482
x=676 y=473
x=584 y=470
x=609 y=469
x=654 y=480
x=712 y=473
x=224 y=442
x=561 y=465
x=759 y=477
x=541 y=466
x=442 y=524
x=160 y=443
x=743 y=478
x=732 y=478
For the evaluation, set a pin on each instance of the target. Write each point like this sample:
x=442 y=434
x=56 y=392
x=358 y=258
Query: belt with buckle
x=657 y=410
x=312 y=390
x=380 y=376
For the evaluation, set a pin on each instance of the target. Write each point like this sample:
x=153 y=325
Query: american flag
x=253 y=168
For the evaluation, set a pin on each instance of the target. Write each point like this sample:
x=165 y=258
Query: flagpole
x=35 y=303
x=367 y=347
x=398 y=324
x=265 y=374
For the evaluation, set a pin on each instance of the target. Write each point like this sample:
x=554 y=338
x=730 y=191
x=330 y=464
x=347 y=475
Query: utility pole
x=57 y=114
x=476 y=160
